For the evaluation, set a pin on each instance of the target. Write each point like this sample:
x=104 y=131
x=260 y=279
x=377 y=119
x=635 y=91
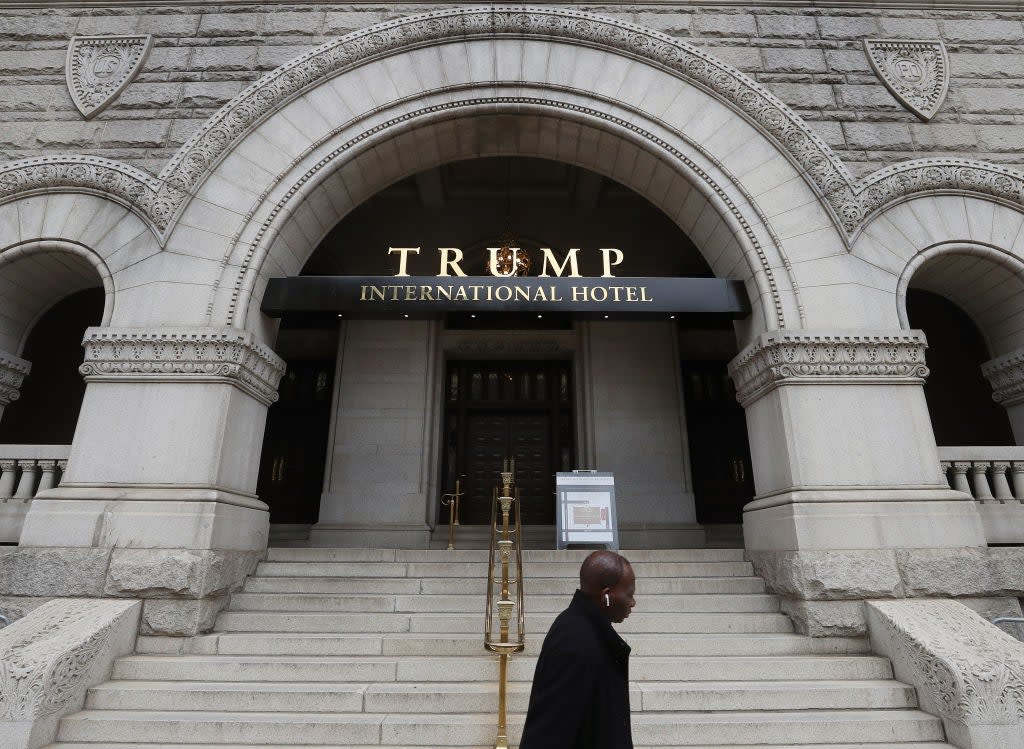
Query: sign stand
x=586 y=509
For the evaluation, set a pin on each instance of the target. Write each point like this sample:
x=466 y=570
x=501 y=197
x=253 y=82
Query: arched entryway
x=557 y=392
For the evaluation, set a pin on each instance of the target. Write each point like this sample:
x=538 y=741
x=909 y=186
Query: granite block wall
x=812 y=58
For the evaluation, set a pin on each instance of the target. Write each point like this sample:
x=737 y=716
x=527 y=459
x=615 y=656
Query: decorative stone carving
x=850 y=202
x=12 y=373
x=99 y=68
x=916 y=72
x=967 y=671
x=183 y=354
x=1006 y=376
x=780 y=357
x=50 y=657
x=121 y=182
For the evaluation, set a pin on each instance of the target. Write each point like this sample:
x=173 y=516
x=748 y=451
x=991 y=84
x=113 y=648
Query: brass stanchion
x=451 y=501
x=508 y=549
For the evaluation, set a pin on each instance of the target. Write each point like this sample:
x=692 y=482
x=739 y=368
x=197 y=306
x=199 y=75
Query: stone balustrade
x=25 y=471
x=994 y=476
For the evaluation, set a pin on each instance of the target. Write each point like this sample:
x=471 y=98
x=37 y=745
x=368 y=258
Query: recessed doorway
x=508 y=409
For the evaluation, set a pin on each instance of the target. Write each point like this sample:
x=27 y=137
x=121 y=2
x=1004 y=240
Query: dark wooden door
x=719 y=450
x=493 y=437
x=499 y=410
x=295 y=444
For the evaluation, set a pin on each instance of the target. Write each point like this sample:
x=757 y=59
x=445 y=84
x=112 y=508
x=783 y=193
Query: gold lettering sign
x=452 y=257
x=519 y=292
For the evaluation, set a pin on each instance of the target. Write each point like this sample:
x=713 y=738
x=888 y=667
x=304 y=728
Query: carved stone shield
x=100 y=67
x=916 y=72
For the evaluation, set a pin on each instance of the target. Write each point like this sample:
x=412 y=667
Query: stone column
x=158 y=497
x=851 y=502
x=12 y=373
x=377 y=488
x=1006 y=376
x=634 y=390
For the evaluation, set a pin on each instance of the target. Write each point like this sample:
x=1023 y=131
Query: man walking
x=580 y=696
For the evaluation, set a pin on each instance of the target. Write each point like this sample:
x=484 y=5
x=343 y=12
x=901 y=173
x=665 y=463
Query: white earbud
x=607 y=602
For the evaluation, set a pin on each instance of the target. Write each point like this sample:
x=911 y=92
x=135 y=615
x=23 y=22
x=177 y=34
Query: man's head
x=607 y=579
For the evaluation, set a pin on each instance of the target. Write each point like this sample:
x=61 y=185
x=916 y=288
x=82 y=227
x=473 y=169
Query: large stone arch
x=643 y=130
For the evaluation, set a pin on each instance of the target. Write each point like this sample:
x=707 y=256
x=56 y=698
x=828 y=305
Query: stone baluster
x=1017 y=468
x=982 y=493
x=62 y=465
x=27 y=484
x=960 y=469
x=944 y=466
x=48 y=477
x=999 y=484
x=8 y=475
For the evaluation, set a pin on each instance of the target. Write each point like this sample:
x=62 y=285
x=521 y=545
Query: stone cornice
x=850 y=202
x=972 y=5
x=12 y=373
x=183 y=355
x=1006 y=376
x=796 y=358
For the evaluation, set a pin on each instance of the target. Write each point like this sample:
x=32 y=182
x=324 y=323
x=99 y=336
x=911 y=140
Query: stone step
x=271 y=643
x=482 y=698
x=323 y=603
x=538 y=624
x=475 y=570
x=125 y=745
x=575 y=556
x=412 y=729
x=477 y=585
x=427 y=669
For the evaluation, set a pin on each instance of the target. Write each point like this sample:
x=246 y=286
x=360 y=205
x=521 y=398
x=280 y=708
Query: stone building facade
x=787 y=158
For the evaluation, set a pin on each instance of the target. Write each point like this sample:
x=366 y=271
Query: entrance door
x=295 y=444
x=499 y=410
x=719 y=450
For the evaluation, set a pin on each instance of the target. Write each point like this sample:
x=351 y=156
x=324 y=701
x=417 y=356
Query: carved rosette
x=965 y=669
x=916 y=72
x=1006 y=376
x=12 y=373
x=183 y=355
x=780 y=357
x=99 y=68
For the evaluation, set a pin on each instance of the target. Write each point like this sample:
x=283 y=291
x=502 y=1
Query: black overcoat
x=580 y=696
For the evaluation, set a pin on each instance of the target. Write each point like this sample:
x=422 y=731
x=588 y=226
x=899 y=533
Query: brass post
x=451 y=501
x=505 y=542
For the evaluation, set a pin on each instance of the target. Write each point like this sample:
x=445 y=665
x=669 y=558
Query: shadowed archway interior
x=473 y=205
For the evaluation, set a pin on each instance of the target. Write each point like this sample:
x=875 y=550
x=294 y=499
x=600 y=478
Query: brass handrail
x=452 y=500
x=509 y=552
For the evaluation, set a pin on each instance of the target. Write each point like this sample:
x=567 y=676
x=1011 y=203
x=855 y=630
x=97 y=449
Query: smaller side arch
x=995 y=304
x=46 y=271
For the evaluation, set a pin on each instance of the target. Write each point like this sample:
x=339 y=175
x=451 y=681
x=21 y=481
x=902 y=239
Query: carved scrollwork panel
x=12 y=373
x=189 y=354
x=793 y=358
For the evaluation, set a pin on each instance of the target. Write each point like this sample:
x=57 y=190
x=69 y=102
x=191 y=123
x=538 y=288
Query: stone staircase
x=359 y=648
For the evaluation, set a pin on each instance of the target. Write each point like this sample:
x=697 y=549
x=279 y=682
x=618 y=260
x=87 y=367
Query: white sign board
x=586 y=509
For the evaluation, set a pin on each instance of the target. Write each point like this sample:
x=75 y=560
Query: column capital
x=12 y=373
x=1006 y=376
x=183 y=354
x=783 y=357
